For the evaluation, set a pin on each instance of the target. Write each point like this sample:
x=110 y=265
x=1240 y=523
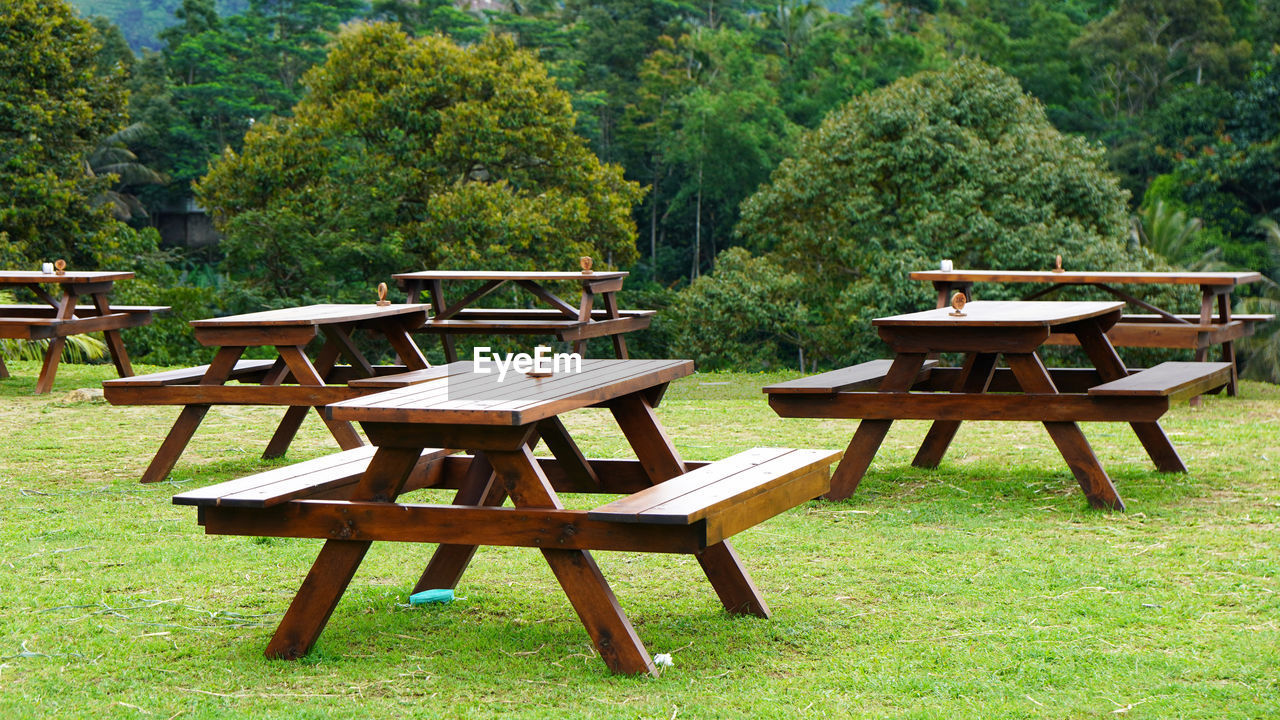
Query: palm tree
x=1168 y=232
x=113 y=157
x=1260 y=354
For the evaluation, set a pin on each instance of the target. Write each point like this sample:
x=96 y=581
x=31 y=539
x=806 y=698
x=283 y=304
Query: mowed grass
x=983 y=589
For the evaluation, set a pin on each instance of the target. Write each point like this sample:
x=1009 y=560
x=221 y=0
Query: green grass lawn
x=983 y=589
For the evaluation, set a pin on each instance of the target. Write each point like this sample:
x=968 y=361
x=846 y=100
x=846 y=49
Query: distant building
x=186 y=225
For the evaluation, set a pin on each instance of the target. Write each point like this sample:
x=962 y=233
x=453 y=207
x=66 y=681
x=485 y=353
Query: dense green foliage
x=699 y=103
x=410 y=154
x=55 y=102
x=955 y=164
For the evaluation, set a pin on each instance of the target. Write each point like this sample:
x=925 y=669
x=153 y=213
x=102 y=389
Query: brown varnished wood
x=1104 y=357
x=115 y=343
x=67 y=278
x=573 y=463
x=504 y=275
x=863 y=376
x=288 y=330
x=306 y=374
x=1071 y=442
x=1227 y=279
x=660 y=459
x=870 y=434
x=975 y=377
x=723 y=486
x=63 y=317
x=530 y=399
x=617 y=476
x=338 y=560
x=564 y=321
x=1168 y=379
x=597 y=607
x=451 y=526
x=331 y=475
x=1026 y=407
x=189 y=419
x=243 y=369
x=293 y=417
x=450 y=560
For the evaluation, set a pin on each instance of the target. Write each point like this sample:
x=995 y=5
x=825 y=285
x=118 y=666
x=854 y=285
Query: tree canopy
x=957 y=164
x=416 y=153
x=56 y=102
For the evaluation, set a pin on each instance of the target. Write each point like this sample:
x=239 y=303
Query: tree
x=409 y=153
x=1145 y=48
x=56 y=101
x=956 y=164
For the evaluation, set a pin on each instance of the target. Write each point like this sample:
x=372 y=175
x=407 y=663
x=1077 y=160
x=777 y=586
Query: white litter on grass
x=663 y=660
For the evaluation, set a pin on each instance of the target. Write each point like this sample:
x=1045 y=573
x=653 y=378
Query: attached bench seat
x=686 y=514
x=83 y=311
x=534 y=321
x=327 y=476
x=244 y=369
x=729 y=495
x=38 y=322
x=863 y=376
x=1157 y=331
x=1173 y=380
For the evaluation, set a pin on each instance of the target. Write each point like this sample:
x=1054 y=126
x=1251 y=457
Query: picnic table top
x=69 y=277
x=508 y=275
x=323 y=314
x=1078 y=277
x=1003 y=313
x=467 y=397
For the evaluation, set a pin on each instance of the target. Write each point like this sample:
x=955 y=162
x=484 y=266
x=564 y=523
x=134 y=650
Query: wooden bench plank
x=716 y=487
x=309 y=478
x=404 y=379
x=863 y=376
x=183 y=376
x=1168 y=379
x=1195 y=319
x=22 y=311
x=538 y=314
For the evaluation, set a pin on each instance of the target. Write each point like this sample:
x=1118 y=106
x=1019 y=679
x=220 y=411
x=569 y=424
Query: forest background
x=725 y=153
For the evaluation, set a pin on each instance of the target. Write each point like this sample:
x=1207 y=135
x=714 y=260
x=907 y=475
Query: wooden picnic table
x=59 y=317
x=669 y=505
x=1159 y=328
x=291 y=379
x=561 y=319
x=912 y=386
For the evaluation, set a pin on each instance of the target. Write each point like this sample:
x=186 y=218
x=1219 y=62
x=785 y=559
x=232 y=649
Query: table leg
x=579 y=576
x=479 y=487
x=1032 y=376
x=65 y=310
x=338 y=560
x=115 y=342
x=450 y=561
x=1110 y=367
x=871 y=433
x=975 y=377
x=49 y=368
x=293 y=416
x=189 y=419
x=1228 y=347
x=305 y=373
x=438 y=305
x=661 y=462
x=619 y=342
x=4 y=371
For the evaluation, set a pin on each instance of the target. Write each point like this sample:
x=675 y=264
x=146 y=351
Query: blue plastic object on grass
x=431 y=596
